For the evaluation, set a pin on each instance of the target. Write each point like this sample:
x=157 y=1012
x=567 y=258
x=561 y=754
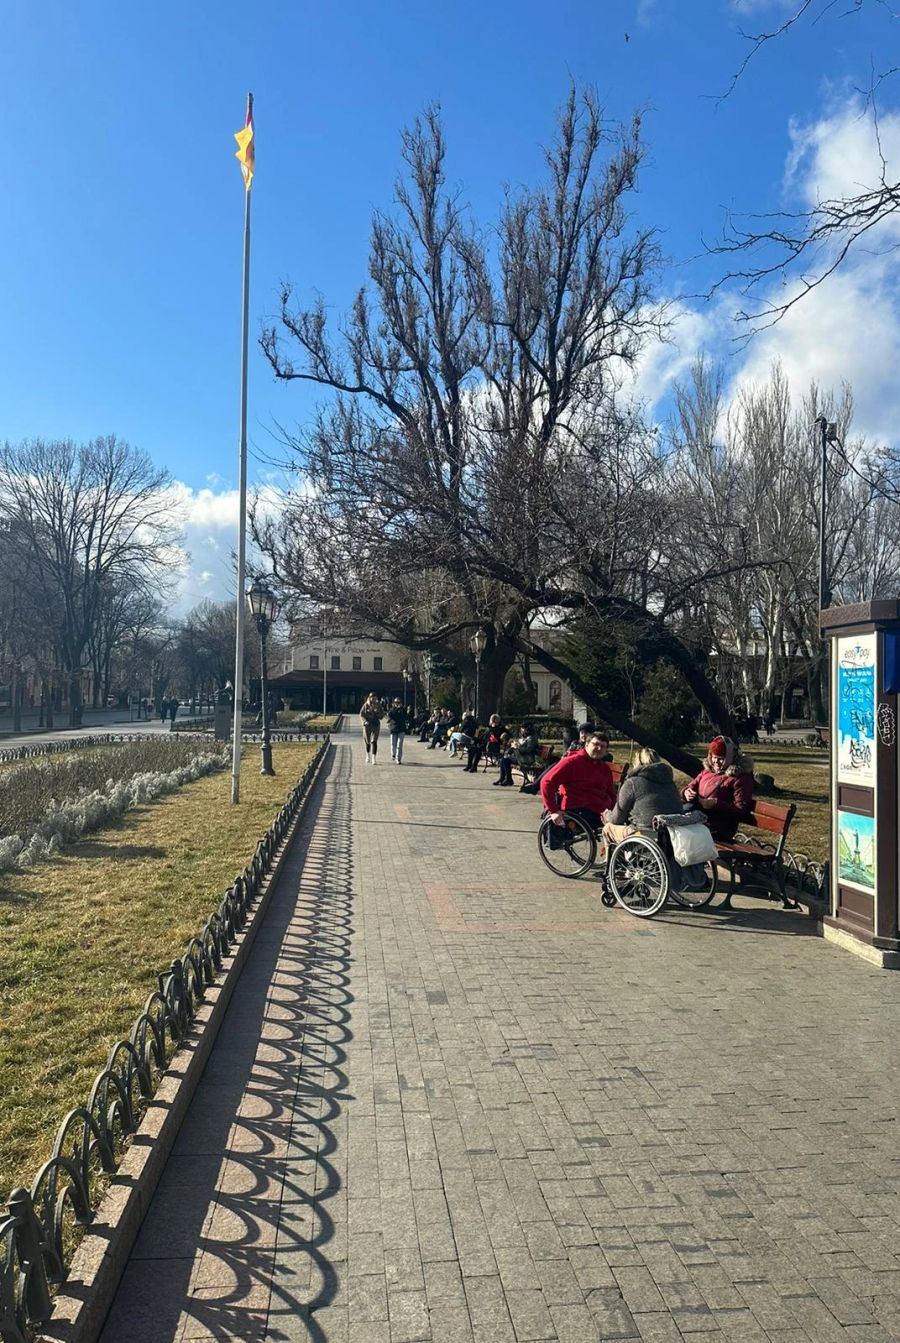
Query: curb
x=81 y=1308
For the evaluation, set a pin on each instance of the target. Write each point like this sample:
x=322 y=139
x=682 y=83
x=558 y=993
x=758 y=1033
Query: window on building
x=555 y=694
x=378 y=662
x=336 y=664
x=357 y=664
x=313 y=662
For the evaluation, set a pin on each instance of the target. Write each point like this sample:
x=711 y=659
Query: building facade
x=333 y=671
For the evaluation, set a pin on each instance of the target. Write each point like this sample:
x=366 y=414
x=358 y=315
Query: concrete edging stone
x=80 y=1309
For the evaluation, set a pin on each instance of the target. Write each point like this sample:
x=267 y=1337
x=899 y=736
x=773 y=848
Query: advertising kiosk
x=864 y=650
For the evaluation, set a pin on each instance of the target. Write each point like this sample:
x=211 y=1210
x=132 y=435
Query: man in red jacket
x=582 y=783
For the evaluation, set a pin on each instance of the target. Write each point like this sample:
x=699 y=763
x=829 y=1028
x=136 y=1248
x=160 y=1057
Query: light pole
x=426 y=658
x=262 y=608
x=479 y=643
x=324 y=669
x=827 y=434
x=407 y=677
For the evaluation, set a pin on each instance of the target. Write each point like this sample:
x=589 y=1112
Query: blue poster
x=856 y=710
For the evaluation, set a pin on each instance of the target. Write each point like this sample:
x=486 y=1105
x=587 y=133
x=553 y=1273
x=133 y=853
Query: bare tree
x=90 y=517
x=480 y=462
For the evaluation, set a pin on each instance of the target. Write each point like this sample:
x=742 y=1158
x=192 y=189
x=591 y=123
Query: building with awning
x=333 y=671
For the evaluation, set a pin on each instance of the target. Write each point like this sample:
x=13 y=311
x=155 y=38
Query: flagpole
x=242 y=511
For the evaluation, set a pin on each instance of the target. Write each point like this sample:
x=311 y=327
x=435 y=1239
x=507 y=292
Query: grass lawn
x=83 y=936
x=322 y=724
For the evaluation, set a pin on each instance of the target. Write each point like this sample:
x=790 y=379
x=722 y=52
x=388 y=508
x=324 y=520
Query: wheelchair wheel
x=574 y=844
x=697 y=899
x=638 y=876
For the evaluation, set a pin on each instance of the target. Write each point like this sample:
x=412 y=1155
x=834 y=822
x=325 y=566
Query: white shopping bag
x=692 y=844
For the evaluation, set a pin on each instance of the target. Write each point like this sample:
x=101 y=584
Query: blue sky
x=122 y=229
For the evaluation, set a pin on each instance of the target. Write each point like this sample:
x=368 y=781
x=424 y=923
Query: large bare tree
x=89 y=518
x=480 y=462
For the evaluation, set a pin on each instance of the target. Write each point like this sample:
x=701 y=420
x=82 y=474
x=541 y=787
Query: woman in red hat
x=723 y=788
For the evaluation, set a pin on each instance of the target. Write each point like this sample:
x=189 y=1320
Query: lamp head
x=261 y=602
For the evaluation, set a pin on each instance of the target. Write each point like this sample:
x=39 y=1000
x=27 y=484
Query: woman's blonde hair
x=645 y=756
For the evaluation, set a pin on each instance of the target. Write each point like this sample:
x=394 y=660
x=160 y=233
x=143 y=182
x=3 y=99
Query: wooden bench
x=543 y=757
x=764 y=863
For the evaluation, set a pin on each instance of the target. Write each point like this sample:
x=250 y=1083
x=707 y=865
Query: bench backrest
x=768 y=816
x=544 y=753
x=618 y=771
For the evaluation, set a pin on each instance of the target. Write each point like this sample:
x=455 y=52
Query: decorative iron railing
x=36 y=749
x=40 y=1230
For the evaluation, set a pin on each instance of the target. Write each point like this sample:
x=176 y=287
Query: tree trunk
x=75 y=702
x=48 y=701
x=529 y=682
x=817 y=701
x=16 y=700
x=495 y=664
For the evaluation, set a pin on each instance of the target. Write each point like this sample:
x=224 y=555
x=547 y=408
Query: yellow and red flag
x=246 y=154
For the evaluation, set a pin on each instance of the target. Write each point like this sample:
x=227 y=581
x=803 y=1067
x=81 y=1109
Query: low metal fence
x=36 y=749
x=38 y=1233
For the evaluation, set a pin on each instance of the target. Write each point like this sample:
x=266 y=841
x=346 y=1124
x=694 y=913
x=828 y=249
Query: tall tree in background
x=478 y=450
x=89 y=519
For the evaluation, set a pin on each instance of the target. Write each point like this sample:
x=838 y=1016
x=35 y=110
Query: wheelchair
x=636 y=873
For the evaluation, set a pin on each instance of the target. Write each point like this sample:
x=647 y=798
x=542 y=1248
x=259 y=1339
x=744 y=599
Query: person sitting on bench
x=523 y=754
x=723 y=788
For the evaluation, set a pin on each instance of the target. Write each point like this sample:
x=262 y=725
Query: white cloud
x=210 y=536
x=845 y=330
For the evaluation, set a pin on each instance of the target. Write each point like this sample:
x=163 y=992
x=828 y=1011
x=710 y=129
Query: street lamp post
x=827 y=434
x=407 y=677
x=479 y=643
x=262 y=608
x=427 y=660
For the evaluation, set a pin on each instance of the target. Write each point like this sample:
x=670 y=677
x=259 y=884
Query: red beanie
x=718 y=746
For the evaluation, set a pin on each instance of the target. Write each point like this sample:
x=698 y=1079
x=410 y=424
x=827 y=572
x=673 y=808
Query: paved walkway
x=457 y=1099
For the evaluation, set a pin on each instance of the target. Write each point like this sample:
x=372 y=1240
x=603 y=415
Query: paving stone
x=464 y=1101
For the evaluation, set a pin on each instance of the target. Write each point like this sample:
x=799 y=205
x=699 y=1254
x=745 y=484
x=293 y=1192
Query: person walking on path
x=398 y=724
x=371 y=714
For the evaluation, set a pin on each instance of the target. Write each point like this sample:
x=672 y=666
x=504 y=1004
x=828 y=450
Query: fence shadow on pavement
x=247 y=1239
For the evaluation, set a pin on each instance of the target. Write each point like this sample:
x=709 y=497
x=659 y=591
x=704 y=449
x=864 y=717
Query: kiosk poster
x=856 y=710
x=856 y=850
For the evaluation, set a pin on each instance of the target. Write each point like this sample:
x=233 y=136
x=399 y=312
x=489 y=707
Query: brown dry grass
x=83 y=936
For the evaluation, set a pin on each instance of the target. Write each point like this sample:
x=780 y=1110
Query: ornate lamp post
x=407 y=677
x=479 y=643
x=262 y=608
x=427 y=660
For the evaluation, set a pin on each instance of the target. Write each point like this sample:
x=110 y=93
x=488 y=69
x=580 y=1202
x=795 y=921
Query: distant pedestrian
x=398 y=723
x=173 y=709
x=371 y=715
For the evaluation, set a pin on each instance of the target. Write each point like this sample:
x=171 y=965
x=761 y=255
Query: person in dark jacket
x=723 y=788
x=522 y=754
x=487 y=740
x=649 y=790
x=398 y=722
